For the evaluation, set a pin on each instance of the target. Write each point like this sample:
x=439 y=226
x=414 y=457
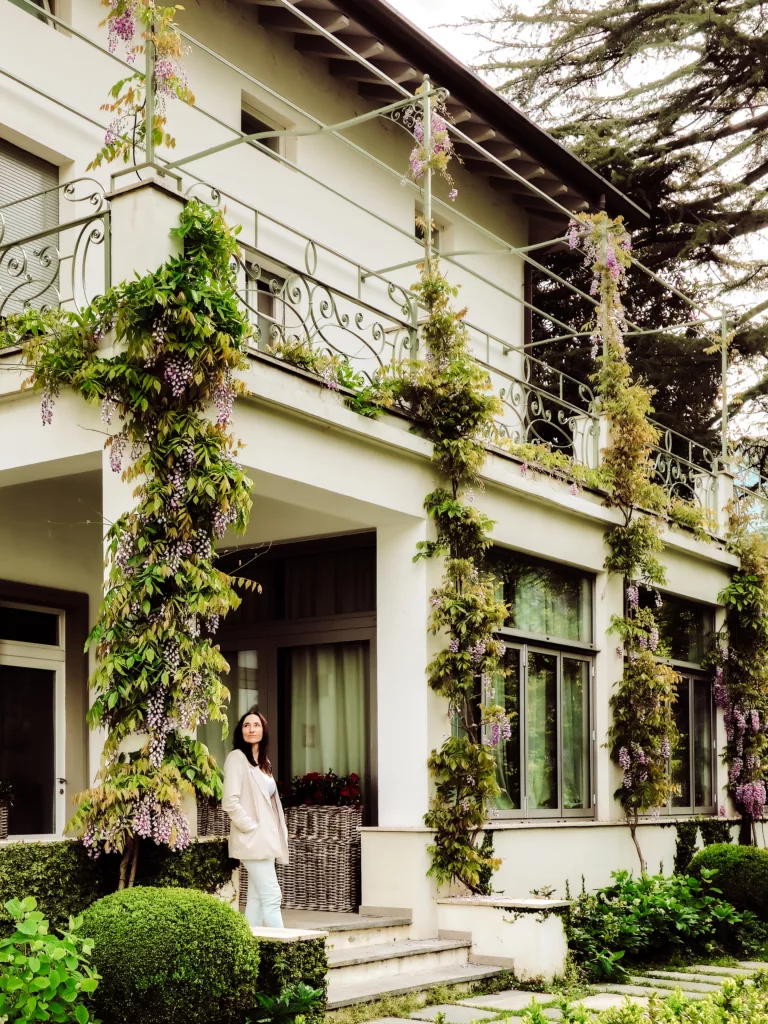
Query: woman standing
x=258 y=836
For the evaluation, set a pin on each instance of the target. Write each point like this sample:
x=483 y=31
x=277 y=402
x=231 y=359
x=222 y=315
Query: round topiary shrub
x=742 y=874
x=171 y=956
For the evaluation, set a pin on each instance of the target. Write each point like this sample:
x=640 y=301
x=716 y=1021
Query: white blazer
x=258 y=829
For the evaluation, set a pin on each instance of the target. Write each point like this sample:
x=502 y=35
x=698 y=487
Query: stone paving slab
x=607 y=1001
x=672 y=982
x=754 y=965
x=684 y=977
x=642 y=990
x=454 y=1014
x=724 y=972
x=511 y=1000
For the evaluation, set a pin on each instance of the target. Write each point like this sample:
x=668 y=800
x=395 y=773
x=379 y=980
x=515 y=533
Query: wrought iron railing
x=685 y=468
x=63 y=263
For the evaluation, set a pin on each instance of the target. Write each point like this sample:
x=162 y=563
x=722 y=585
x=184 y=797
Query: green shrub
x=65 y=880
x=650 y=917
x=286 y=964
x=742 y=874
x=168 y=956
x=43 y=977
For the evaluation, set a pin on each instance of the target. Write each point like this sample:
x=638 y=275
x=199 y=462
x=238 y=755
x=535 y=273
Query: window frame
x=563 y=650
x=695 y=675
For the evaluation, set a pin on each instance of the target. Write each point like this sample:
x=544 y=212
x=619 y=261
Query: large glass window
x=691 y=764
x=545 y=599
x=684 y=627
x=544 y=768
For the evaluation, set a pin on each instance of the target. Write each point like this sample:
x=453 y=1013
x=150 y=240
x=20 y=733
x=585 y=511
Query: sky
x=427 y=14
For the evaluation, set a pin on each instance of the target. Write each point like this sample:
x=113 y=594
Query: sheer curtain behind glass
x=328 y=687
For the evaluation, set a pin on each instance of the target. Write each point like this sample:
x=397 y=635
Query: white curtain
x=328 y=688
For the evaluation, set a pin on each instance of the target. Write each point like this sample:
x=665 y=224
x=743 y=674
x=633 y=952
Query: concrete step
x=366 y=990
x=672 y=981
x=350 y=930
x=391 y=958
x=642 y=990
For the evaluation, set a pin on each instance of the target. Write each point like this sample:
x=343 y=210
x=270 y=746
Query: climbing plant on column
x=740 y=664
x=158 y=353
x=642 y=734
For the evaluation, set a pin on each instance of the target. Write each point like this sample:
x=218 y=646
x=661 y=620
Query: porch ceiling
x=380 y=35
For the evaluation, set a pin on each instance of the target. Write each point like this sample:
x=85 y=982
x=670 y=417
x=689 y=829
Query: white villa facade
x=335 y=647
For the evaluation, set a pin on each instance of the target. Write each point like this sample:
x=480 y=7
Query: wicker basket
x=324 y=855
x=211 y=819
x=3 y=820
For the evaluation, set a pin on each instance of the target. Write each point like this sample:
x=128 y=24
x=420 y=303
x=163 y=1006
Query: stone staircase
x=371 y=957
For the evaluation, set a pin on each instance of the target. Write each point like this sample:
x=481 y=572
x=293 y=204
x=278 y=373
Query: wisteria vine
x=642 y=735
x=131 y=26
x=178 y=338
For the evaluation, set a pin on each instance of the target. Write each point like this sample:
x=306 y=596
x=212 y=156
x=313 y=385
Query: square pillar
x=403 y=698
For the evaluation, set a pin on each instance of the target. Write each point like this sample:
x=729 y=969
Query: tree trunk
x=125 y=863
x=632 y=822
x=134 y=861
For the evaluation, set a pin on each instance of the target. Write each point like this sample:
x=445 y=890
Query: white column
x=609 y=668
x=403 y=696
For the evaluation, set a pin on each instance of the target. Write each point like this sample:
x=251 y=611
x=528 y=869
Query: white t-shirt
x=271 y=784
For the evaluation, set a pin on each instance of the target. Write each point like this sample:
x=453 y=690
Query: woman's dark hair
x=239 y=743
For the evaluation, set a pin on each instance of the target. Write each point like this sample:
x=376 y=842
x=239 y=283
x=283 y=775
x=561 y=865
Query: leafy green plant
x=636 y=919
x=292 y=1004
x=170 y=955
x=44 y=977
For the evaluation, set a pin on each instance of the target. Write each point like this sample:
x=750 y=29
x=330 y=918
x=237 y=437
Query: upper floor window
x=252 y=122
x=28 y=208
x=545 y=767
x=46 y=6
x=684 y=627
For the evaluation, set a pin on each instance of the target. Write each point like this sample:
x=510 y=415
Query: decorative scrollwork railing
x=287 y=306
x=55 y=264
x=685 y=468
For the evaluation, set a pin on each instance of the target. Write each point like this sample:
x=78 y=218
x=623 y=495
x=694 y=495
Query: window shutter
x=28 y=271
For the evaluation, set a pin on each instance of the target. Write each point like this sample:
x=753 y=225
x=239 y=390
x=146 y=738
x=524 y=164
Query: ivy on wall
x=157 y=353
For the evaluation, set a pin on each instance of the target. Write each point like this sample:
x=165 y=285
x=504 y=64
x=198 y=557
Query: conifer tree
x=667 y=99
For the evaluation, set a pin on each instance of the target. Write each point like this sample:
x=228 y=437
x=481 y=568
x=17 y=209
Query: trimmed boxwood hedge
x=65 y=880
x=171 y=955
x=288 y=963
x=742 y=874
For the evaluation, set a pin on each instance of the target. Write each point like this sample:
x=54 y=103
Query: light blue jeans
x=262 y=907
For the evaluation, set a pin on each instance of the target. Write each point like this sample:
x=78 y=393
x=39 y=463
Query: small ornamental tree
x=642 y=734
x=176 y=339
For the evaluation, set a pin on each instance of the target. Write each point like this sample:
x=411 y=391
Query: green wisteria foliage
x=158 y=353
x=642 y=734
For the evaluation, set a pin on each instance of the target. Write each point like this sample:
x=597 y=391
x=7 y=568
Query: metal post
x=149 y=95
x=724 y=388
x=426 y=106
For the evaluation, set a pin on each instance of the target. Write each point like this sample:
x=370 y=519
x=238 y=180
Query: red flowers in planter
x=327 y=790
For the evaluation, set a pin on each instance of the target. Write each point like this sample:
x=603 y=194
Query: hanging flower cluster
x=131 y=24
x=179 y=339
x=642 y=735
x=740 y=664
x=438 y=154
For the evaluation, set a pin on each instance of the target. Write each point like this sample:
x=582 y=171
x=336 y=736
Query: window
x=545 y=767
x=684 y=631
x=418 y=229
x=251 y=123
x=29 y=206
x=45 y=5
x=265 y=300
x=545 y=599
